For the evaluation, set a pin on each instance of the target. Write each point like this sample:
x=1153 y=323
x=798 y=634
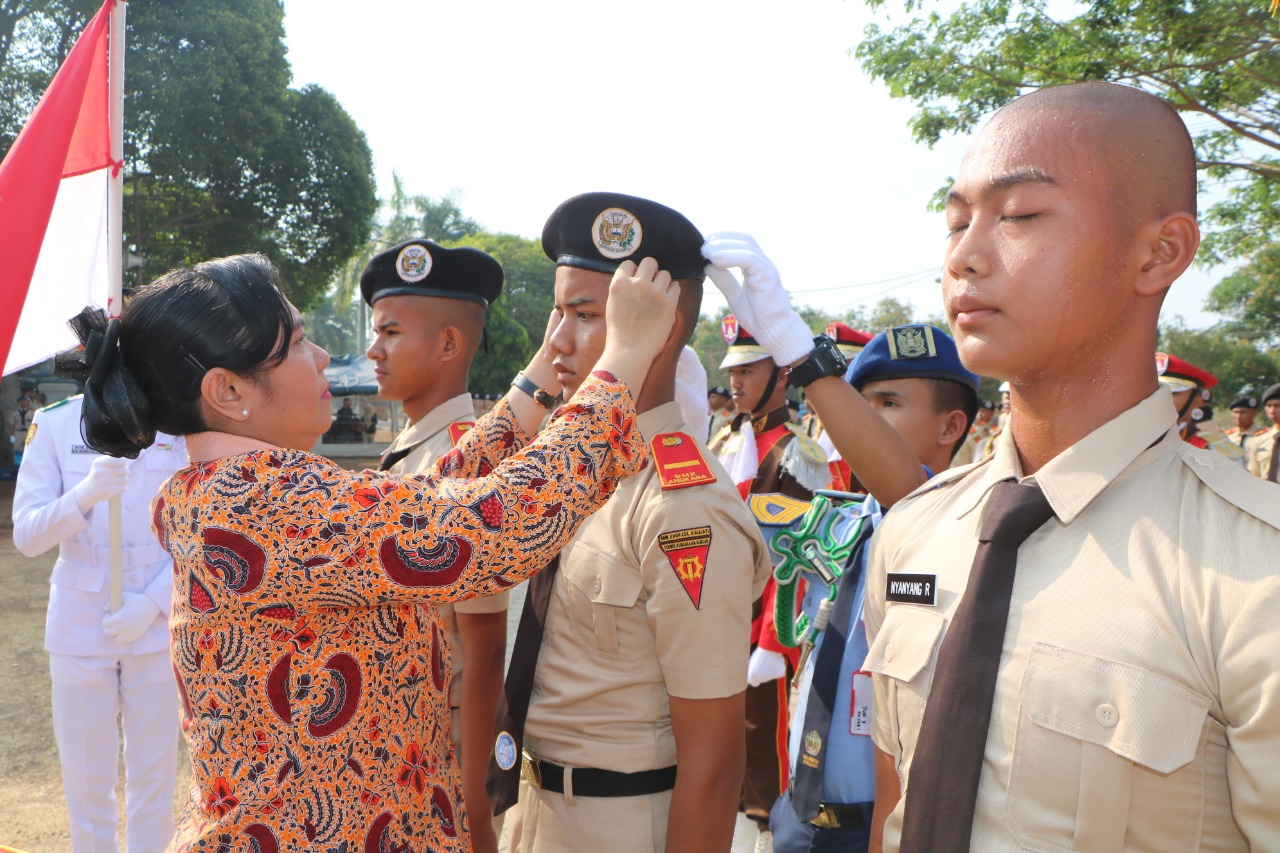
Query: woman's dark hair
x=142 y=373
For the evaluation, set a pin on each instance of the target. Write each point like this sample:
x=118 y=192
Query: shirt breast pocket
x=904 y=653
x=605 y=593
x=1107 y=756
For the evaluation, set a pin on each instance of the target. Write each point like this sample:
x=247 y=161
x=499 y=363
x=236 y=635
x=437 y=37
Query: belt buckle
x=530 y=769
x=825 y=819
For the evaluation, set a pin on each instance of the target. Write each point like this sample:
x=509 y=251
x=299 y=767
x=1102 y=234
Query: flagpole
x=115 y=249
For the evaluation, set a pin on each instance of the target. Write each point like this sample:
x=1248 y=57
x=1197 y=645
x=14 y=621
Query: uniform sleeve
x=700 y=596
x=1249 y=690
x=338 y=538
x=44 y=510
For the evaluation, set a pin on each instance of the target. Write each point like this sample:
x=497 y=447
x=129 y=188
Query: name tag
x=912 y=589
x=860 y=705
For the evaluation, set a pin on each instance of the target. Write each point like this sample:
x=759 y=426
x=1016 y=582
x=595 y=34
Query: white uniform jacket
x=45 y=514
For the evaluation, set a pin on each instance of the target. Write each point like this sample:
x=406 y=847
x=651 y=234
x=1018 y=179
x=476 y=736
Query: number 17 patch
x=687 y=552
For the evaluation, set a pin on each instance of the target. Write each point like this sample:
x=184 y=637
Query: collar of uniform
x=455 y=409
x=771 y=419
x=665 y=418
x=1073 y=478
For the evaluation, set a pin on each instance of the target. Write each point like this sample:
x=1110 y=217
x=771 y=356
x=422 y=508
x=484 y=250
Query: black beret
x=421 y=268
x=1244 y=403
x=598 y=231
x=986 y=404
x=1272 y=393
x=718 y=389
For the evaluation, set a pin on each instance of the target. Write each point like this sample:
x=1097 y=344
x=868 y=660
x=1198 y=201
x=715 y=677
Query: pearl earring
x=244 y=412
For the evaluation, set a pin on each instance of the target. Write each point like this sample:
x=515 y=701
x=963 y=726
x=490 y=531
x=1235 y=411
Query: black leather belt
x=590 y=782
x=840 y=816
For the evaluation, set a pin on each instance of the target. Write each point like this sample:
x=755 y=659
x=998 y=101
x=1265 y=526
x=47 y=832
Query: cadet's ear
x=1168 y=246
x=953 y=428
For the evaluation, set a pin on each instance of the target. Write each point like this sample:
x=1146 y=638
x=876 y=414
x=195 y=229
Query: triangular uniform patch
x=458 y=430
x=679 y=461
x=687 y=551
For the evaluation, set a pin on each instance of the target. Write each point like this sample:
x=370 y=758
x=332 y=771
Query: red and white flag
x=55 y=188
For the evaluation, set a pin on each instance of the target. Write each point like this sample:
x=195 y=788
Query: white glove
x=765 y=666
x=691 y=391
x=108 y=477
x=136 y=614
x=760 y=303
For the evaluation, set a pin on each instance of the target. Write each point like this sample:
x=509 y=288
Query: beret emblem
x=617 y=233
x=413 y=264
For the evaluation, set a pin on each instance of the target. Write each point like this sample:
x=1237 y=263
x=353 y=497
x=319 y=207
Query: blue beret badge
x=617 y=233
x=911 y=342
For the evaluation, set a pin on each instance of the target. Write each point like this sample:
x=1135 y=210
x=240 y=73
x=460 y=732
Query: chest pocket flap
x=1136 y=714
x=905 y=643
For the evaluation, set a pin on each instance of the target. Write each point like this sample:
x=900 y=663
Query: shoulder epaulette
x=458 y=429
x=59 y=404
x=679 y=462
x=805 y=460
x=721 y=434
x=1230 y=482
x=1261 y=431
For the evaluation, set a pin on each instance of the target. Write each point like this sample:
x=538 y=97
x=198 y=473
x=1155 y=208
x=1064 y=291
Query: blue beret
x=910 y=352
x=598 y=231
x=421 y=268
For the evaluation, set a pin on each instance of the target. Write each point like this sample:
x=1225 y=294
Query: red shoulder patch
x=679 y=461
x=458 y=430
x=687 y=552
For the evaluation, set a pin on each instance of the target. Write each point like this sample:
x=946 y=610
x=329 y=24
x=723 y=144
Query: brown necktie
x=503 y=785
x=1274 y=468
x=942 y=788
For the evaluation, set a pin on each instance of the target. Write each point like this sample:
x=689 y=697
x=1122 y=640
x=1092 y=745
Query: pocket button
x=1106 y=714
x=595 y=587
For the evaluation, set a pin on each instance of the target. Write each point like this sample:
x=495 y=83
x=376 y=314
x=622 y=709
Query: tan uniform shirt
x=1138 y=700
x=1262 y=446
x=623 y=633
x=430 y=439
x=974 y=447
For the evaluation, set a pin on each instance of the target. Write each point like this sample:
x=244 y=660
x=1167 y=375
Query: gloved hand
x=765 y=665
x=691 y=391
x=760 y=303
x=136 y=614
x=107 y=478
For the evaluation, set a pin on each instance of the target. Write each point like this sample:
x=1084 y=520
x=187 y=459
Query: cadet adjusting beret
x=1182 y=375
x=421 y=268
x=1244 y=403
x=598 y=231
x=915 y=352
x=1272 y=393
x=743 y=349
x=848 y=340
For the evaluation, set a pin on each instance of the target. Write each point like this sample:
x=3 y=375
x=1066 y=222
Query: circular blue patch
x=504 y=751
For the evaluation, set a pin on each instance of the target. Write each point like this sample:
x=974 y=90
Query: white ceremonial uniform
x=97 y=678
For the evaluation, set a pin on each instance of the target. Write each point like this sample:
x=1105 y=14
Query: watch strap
x=541 y=396
x=825 y=360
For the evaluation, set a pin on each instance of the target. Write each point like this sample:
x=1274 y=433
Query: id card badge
x=860 y=705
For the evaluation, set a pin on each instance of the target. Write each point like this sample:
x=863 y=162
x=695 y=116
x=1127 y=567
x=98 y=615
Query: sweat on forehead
x=1135 y=138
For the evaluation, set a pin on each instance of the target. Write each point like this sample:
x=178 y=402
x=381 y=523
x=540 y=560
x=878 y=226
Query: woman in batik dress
x=309 y=657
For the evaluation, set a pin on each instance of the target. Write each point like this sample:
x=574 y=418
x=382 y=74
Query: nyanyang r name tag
x=912 y=589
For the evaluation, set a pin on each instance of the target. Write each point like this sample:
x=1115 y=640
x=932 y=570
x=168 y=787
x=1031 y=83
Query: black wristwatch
x=825 y=360
x=541 y=396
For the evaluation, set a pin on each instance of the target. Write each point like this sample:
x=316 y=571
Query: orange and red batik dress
x=309 y=656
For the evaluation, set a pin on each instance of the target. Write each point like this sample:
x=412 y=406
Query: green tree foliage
x=1250 y=296
x=1217 y=61
x=221 y=155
